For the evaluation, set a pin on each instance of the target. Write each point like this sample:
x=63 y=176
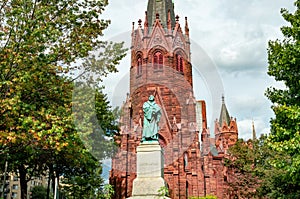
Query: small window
x=15 y=187
x=185 y=161
x=179 y=63
x=225 y=178
x=14 y=195
x=158 y=61
x=139 y=66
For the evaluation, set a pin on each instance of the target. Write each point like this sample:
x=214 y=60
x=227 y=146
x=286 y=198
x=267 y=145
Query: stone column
x=150 y=171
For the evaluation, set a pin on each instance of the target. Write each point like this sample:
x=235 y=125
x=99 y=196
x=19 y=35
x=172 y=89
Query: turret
x=226 y=131
x=224 y=115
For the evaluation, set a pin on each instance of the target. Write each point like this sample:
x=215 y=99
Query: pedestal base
x=150 y=171
x=147 y=186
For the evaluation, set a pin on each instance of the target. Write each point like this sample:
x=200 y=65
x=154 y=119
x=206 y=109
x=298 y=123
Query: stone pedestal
x=150 y=171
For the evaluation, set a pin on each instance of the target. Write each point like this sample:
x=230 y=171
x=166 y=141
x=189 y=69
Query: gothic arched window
x=179 y=63
x=158 y=60
x=139 y=66
x=185 y=160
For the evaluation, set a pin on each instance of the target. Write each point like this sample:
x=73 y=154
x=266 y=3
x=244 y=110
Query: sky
x=232 y=36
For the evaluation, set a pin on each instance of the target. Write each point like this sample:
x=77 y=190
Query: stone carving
x=157 y=39
x=152 y=114
x=178 y=42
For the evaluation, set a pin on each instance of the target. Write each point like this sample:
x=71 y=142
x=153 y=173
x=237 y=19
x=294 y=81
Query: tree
x=38 y=192
x=41 y=43
x=251 y=174
x=84 y=182
x=283 y=60
x=244 y=162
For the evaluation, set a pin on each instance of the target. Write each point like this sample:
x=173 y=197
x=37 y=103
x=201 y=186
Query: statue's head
x=151 y=98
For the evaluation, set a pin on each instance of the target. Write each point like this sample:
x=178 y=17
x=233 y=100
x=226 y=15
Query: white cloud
x=246 y=130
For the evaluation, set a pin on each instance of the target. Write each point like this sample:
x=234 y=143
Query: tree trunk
x=23 y=181
x=58 y=185
x=49 y=181
x=53 y=180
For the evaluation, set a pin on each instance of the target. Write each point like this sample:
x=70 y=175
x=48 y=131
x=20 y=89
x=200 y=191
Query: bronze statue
x=152 y=114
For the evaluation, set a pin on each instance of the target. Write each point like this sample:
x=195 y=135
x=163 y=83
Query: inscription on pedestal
x=149 y=160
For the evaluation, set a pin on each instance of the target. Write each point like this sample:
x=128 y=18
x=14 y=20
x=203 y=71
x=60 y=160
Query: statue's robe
x=152 y=114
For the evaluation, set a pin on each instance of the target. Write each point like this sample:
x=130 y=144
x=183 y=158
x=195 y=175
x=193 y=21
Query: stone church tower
x=161 y=66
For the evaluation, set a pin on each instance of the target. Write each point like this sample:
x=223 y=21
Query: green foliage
x=283 y=57
x=254 y=174
x=163 y=191
x=108 y=192
x=242 y=163
x=83 y=184
x=38 y=192
x=42 y=46
x=95 y=121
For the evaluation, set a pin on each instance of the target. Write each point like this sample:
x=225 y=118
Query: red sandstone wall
x=186 y=172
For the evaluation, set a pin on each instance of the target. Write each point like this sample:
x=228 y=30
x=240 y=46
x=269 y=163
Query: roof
x=161 y=7
x=224 y=115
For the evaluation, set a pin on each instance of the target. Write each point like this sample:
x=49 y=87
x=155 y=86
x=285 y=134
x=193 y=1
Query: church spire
x=187 y=30
x=160 y=7
x=253 y=131
x=146 y=24
x=224 y=115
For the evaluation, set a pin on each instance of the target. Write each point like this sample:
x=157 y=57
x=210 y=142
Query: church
x=161 y=66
